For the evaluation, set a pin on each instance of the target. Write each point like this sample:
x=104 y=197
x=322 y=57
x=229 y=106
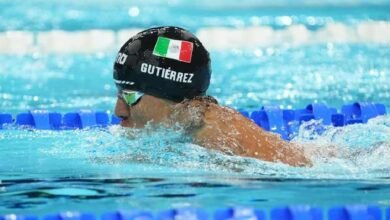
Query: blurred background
x=58 y=55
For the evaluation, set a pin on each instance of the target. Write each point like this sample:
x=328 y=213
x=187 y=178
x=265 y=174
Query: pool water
x=98 y=170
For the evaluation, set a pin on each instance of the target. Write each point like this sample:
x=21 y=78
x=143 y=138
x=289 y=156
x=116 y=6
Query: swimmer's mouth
x=124 y=121
x=123 y=118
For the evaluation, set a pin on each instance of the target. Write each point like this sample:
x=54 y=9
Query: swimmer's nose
x=122 y=110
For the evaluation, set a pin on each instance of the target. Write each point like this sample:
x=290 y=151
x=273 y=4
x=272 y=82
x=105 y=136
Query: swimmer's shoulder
x=190 y=113
x=225 y=129
x=206 y=109
x=213 y=112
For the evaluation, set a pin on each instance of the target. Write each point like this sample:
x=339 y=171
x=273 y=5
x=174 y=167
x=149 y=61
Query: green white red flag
x=174 y=49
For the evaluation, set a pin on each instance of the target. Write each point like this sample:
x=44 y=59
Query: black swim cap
x=167 y=62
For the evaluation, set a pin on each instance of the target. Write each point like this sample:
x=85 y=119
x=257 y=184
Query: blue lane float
x=355 y=212
x=321 y=112
x=285 y=122
x=183 y=213
x=239 y=213
x=5 y=119
x=272 y=120
x=125 y=215
x=294 y=212
x=361 y=112
x=70 y=216
x=18 y=217
x=388 y=213
x=44 y=120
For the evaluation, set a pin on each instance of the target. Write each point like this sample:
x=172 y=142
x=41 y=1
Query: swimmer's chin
x=125 y=123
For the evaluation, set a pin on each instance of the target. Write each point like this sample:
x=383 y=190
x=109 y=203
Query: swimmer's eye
x=130 y=97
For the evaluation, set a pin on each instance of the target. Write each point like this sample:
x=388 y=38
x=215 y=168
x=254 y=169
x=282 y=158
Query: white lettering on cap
x=121 y=58
x=144 y=67
x=167 y=74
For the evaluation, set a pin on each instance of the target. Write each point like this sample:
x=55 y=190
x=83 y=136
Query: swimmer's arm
x=230 y=132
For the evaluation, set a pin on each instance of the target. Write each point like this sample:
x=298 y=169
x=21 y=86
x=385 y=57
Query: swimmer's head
x=166 y=62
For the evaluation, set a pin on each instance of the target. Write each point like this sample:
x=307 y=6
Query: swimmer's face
x=147 y=109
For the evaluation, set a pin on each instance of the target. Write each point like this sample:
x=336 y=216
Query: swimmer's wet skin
x=170 y=66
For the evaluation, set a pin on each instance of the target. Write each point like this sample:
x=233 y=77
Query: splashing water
x=354 y=151
x=359 y=151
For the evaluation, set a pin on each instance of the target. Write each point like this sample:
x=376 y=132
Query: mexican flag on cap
x=175 y=49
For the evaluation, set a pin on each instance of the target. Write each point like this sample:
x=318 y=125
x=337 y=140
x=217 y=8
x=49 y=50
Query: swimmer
x=162 y=75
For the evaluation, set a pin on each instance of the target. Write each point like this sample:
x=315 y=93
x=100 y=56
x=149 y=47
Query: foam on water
x=354 y=151
x=51 y=171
